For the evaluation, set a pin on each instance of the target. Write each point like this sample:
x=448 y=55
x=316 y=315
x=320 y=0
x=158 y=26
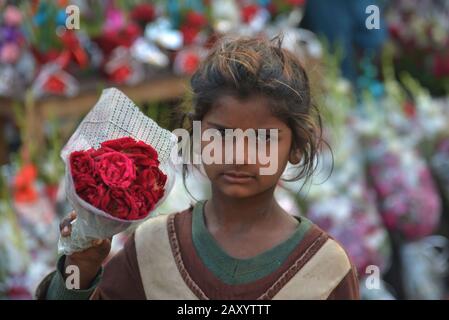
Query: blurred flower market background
x=383 y=88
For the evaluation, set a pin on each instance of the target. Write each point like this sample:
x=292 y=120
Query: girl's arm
x=118 y=279
x=53 y=286
x=113 y=280
x=121 y=276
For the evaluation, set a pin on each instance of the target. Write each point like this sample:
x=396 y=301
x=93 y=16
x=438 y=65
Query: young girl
x=239 y=244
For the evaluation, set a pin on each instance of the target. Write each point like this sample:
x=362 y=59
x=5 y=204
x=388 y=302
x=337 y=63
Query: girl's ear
x=295 y=156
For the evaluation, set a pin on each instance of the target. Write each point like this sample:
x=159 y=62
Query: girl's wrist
x=88 y=270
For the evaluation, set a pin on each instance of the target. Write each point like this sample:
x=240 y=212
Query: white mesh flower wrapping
x=114 y=116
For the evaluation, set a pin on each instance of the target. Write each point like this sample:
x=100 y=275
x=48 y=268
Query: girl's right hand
x=88 y=261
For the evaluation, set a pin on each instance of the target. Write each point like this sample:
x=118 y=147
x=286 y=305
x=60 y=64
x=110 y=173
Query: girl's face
x=245 y=180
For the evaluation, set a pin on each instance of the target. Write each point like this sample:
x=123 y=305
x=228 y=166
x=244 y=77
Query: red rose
x=129 y=145
x=100 y=151
x=191 y=63
x=189 y=34
x=196 y=19
x=441 y=66
x=121 y=178
x=141 y=153
x=116 y=169
x=248 y=12
x=74 y=49
x=140 y=147
x=107 y=42
x=121 y=74
x=117 y=144
x=93 y=194
x=120 y=204
x=81 y=163
x=143 y=13
x=143 y=161
x=152 y=177
x=83 y=181
x=143 y=200
x=54 y=85
x=153 y=180
x=44 y=57
x=129 y=34
x=157 y=194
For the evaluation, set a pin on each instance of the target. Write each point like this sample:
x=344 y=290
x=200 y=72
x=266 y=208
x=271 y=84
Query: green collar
x=239 y=271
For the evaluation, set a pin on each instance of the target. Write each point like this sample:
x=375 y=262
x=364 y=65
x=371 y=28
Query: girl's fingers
x=65 y=227
x=72 y=215
x=97 y=242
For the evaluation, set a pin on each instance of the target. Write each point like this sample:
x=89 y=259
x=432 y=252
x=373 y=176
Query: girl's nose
x=242 y=150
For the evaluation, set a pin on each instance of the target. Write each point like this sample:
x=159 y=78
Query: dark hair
x=245 y=66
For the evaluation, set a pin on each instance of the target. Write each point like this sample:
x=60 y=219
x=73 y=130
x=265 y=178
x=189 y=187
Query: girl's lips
x=237 y=177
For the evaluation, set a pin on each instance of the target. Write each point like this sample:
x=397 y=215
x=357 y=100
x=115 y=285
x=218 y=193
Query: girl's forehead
x=251 y=112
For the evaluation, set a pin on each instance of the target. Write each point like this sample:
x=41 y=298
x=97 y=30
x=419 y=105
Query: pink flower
x=9 y=53
x=115 y=20
x=12 y=16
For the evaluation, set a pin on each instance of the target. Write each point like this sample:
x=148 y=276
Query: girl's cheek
x=213 y=171
x=275 y=159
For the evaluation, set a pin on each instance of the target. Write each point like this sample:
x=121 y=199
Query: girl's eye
x=263 y=137
x=263 y=140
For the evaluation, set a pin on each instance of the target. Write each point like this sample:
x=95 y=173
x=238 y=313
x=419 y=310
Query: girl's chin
x=238 y=191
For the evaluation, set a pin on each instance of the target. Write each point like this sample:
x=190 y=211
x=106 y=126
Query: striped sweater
x=161 y=261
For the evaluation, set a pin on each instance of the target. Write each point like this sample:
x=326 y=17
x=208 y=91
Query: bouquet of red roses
x=118 y=170
x=122 y=177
